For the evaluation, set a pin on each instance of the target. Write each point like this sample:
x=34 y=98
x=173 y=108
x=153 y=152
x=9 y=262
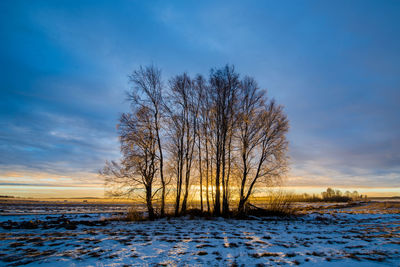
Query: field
x=85 y=234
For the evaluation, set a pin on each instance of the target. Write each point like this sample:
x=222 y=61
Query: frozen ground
x=21 y=208
x=317 y=238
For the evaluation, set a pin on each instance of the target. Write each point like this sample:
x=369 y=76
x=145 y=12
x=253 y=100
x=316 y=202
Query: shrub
x=279 y=203
x=134 y=215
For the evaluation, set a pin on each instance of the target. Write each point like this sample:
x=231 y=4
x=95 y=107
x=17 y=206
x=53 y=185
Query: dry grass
x=279 y=203
x=357 y=208
x=378 y=208
x=133 y=215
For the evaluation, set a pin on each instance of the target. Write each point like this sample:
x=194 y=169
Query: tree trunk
x=225 y=204
x=162 y=211
x=179 y=176
x=186 y=194
x=217 y=203
x=242 y=202
x=201 y=177
x=149 y=203
x=178 y=193
x=212 y=182
x=207 y=170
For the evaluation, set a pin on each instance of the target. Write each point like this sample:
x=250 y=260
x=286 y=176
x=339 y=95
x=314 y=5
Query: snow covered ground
x=318 y=238
x=21 y=208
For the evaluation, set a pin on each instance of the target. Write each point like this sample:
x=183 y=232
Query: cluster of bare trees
x=215 y=140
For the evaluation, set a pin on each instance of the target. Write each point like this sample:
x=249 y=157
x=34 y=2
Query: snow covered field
x=317 y=238
x=46 y=208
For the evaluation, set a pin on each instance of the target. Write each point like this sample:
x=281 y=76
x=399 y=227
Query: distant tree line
x=215 y=139
x=330 y=195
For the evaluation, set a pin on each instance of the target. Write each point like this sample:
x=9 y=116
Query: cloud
x=334 y=66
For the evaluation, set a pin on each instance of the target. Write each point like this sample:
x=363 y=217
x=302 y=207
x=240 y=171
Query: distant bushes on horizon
x=330 y=195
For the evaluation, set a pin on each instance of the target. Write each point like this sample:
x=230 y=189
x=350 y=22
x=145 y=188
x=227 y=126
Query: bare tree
x=200 y=89
x=224 y=84
x=147 y=91
x=139 y=164
x=183 y=111
x=203 y=133
x=262 y=139
x=176 y=130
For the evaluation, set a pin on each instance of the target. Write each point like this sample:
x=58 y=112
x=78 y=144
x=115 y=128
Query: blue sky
x=334 y=65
